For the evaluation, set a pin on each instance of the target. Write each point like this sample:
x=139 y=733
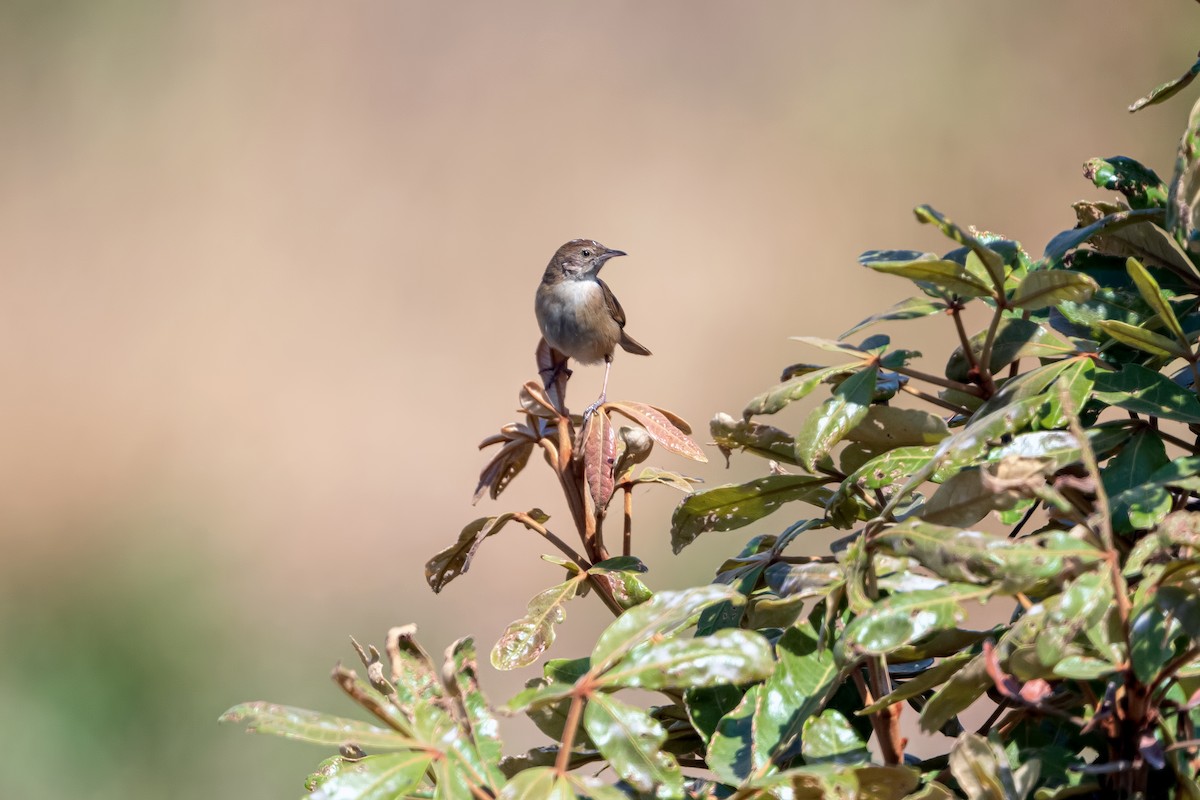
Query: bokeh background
x=266 y=279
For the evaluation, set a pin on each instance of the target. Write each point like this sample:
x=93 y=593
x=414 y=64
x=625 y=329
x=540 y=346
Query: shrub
x=1068 y=426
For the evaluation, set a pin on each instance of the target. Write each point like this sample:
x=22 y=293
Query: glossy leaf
x=539 y=783
x=903 y=619
x=804 y=678
x=890 y=427
x=912 y=308
x=599 y=457
x=375 y=777
x=1067 y=241
x=1149 y=289
x=727 y=508
x=666 y=429
x=766 y=441
x=1046 y=288
x=729 y=656
x=663 y=614
x=829 y=739
x=991 y=260
x=1140 y=185
x=524 y=640
x=1015 y=338
x=841 y=781
x=631 y=740
x=1142 y=339
x=779 y=397
x=948 y=276
x=477 y=722
x=731 y=754
x=833 y=419
x=1145 y=391
x=314 y=727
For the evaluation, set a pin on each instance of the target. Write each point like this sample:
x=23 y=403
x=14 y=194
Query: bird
x=578 y=314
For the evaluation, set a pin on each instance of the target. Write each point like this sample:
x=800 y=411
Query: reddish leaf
x=536 y=401
x=599 y=457
x=662 y=428
x=552 y=367
x=503 y=467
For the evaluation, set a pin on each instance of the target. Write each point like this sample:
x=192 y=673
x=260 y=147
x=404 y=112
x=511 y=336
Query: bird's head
x=582 y=258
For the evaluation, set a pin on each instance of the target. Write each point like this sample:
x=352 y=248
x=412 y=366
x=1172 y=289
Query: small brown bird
x=577 y=312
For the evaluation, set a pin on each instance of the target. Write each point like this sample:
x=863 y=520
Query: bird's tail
x=630 y=346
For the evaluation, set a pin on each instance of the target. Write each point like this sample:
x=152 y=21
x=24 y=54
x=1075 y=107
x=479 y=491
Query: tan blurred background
x=266 y=279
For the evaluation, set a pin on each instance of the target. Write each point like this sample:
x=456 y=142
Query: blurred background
x=267 y=273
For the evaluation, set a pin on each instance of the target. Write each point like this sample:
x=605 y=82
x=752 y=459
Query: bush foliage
x=1052 y=466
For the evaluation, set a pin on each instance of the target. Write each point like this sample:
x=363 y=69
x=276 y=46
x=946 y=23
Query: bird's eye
x=587 y=253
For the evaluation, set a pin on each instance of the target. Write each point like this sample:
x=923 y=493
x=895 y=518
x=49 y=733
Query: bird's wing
x=610 y=300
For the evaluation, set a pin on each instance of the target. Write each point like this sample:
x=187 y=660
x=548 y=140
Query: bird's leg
x=603 y=390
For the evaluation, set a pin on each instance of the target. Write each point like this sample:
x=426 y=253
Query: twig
x=563 y=761
x=627 y=544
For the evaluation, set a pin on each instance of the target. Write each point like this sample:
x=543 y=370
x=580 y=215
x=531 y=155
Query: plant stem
x=935 y=400
x=985 y=355
x=568 y=741
x=627 y=544
x=945 y=383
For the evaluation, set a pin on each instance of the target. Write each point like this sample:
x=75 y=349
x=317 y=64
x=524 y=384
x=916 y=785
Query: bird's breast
x=575 y=320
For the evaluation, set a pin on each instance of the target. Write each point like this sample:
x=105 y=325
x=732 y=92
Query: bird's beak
x=613 y=254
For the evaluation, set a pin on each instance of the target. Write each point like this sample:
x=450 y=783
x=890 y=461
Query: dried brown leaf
x=535 y=400
x=503 y=467
x=552 y=367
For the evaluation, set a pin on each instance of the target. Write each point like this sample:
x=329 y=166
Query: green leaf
x=992 y=261
x=314 y=727
x=779 y=397
x=621 y=575
x=1182 y=201
x=1166 y=90
x=731 y=754
x=1046 y=288
x=1140 y=185
x=766 y=441
x=934 y=676
x=379 y=777
x=802 y=682
x=838 y=781
x=1067 y=241
x=981 y=769
x=456 y=559
x=912 y=308
x=1147 y=341
x=1150 y=645
x=948 y=276
x=631 y=740
x=727 y=508
x=1144 y=391
x=479 y=722
x=539 y=783
x=524 y=640
x=1015 y=338
x=729 y=656
x=1032 y=564
x=1141 y=456
x=662 y=615
x=890 y=427
x=540 y=695
x=965 y=499
x=829 y=739
x=1149 y=290
x=903 y=619
x=708 y=705
x=830 y=422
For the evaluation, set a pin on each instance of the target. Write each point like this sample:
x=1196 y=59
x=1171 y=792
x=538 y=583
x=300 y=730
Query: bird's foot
x=593 y=408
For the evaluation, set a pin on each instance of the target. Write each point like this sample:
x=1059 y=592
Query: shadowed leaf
x=991 y=260
x=456 y=559
x=912 y=308
x=1144 y=391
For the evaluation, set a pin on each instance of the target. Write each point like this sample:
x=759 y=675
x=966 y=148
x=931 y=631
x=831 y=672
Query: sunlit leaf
x=631 y=740
x=829 y=739
x=1145 y=340
x=599 y=457
x=912 y=308
x=539 y=783
x=1166 y=90
x=948 y=276
x=794 y=388
x=1049 y=287
x=524 y=640
x=830 y=422
x=1152 y=294
x=314 y=727
x=905 y=618
x=992 y=261
x=1140 y=185
x=375 y=777
x=727 y=508
x=729 y=656
x=664 y=428
x=1144 y=391
x=663 y=614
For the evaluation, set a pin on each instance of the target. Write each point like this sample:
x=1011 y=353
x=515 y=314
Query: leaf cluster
x=1050 y=470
